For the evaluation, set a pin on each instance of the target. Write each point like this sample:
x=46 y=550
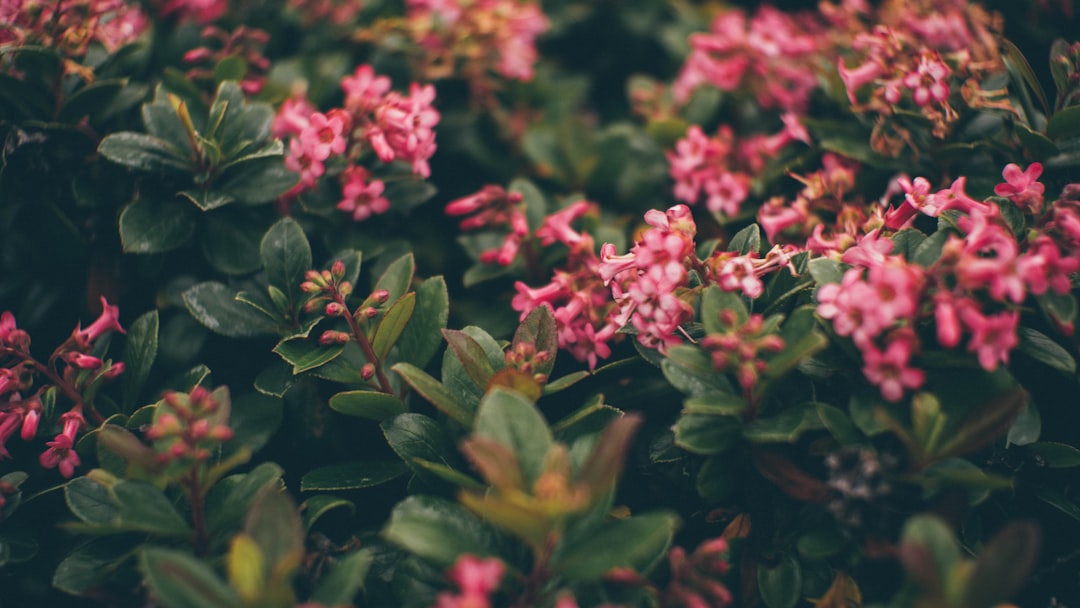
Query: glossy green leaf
x=179 y=580
x=422 y=337
x=315 y=507
x=538 y=328
x=214 y=305
x=786 y=427
x=1056 y=455
x=747 y=240
x=275 y=380
x=637 y=543
x=1042 y=348
x=801 y=340
x=1027 y=427
x=416 y=436
x=593 y=417
x=258 y=180
x=346 y=577
x=454 y=375
x=714 y=301
x=689 y=370
x=140 y=351
x=780 y=584
x=397 y=277
x=718 y=479
x=392 y=325
x=305 y=354
x=146 y=508
x=89 y=566
x=155 y=226
x=352 y=475
x=90 y=501
x=439 y=530
x=434 y=392
x=838 y=423
x=1064 y=124
x=254 y=419
x=826 y=270
x=207 y=199
x=286 y=256
x=231 y=243
x=471 y=354
x=367 y=404
x=143 y=152
x=512 y=420
x=707 y=434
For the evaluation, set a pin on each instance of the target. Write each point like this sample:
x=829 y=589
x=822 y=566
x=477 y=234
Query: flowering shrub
x=469 y=303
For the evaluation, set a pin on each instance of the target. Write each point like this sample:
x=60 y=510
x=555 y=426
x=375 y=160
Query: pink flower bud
x=113 y=371
x=334 y=309
x=367 y=372
x=310 y=287
x=370 y=312
x=380 y=296
x=338 y=270
x=30 y=423
x=108 y=321
x=221 y=433
x=82 y=361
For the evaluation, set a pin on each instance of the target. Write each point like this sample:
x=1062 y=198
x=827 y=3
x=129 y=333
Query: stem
x=539 y=575
x=68 y=390
x=365 y=345
x=198 y=516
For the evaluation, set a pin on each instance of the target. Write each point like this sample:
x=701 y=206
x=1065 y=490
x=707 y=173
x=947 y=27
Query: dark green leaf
x=590 y=418
x=787 y=426
x=1027 y=427
x=392 y=325
x=315 y=507
x=1042 y=348
x=538 y=328
x=423 y=335
x=397 y=277
x=509 y=418
x=260 y=179
x=143 y=152
x=431 y=389
x=275 y=380
x=164 y=123
x=254 y=419
x=231 y=243
x=746 y=240
x=230 y=498
x=826 y=270
x=1040 y=146
x=1062 y=309
x=1056 y=455
x=439 y=530
x=714 y=301
x=91 y=101
x=454 y=375
x=345 y=579
x=89 y=566
x=937 y=542
x=140 y=350
x=286 y=256
x=929 y=252
x=801 y=340
x=90 y=501
x=155 y=226
x=352 y=475
x=565 y=382
x=207 y=200
x=305 y=354
x=718 y=479
x=178 y=580
x=780 y=585
x=1015 y=60
x=471 y=354
x=1064 y=125
x=821 y=542
x=416 y=436
x=838 y=423
x=144 y=507
x=637 y=543
x=214 y=305
x=367 y=404
x=707 y=434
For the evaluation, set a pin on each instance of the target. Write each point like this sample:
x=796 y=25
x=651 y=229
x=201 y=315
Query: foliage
x=560 y=303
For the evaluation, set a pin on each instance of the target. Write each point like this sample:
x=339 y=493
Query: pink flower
x=993 y=336
x=1022 y=187
x=476 y=578
x=360 y=197
x=324 y=135
x=890 y=370
x=557 y=229
x=364 y=91
x=61 y=454
x=404 y=128
x=82 y=361
x=293 y=117
x=109 y=320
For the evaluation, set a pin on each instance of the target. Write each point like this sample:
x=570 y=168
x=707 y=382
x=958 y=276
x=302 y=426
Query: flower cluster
x=70 y=25
x=525 y=358
x=391 y=125
x=475 y=37
x=770 y=54
x=202 y=12
x=719 y=169
x=71 y=370
x=243 y=43
x=694 y=577
x=740 y=346
x=493 y=208
x=476 y=578
x=188 y=427
x=577 y=293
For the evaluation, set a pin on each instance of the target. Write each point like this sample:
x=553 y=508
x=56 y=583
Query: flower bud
x=113 y=371
x=370 y=312
x=335 y=309
x=367 y=372
x=338 y=270
x=379 y=296
x=82 y=361
x=310 y=287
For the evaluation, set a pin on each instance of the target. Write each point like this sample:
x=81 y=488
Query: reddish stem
x=68 y=390
x=365 y=345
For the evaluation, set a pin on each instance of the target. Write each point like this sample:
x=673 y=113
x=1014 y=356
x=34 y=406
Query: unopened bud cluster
x=525 y=358
x=327 y=290
x=739 y=347
x=189 y=426
x=71 y=370
x=694 y=577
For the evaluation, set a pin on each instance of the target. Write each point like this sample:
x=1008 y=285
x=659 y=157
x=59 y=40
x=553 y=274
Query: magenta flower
x=1022 y=187
x=890 y=370
x=364 y=91
x=992 y=336
x=109 y=320
x=324 y=135
x=362 y=198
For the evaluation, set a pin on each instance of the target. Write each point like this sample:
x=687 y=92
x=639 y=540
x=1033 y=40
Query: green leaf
x=689 y=370
x=214 y=305
x=471 y=354
x=1004 y=565
x=1056 y=455
x=146 y=508
x=637 y=543
x=718 y=479
x=397 y=277
x=786 y=427
x=275 y=380
x=305 y=354
x=434 y=391
x=229 y=499
x=1061 y=309
x=143 y=152
x=439 y=530
x=315 y=507
x=367 y=404
x=593 y=417
x=826 y=270
x=286 y=256
x=416 y=436
x=392 y=325
x=345 y=579
x=1064 y=124
x=423 y=335
x=509 y=418
x=1016 y=61
x=801 y=340
x=140 y=350
x=780 y=585
x=538 y=328
x=821 y=541
x=746 y=240
x=564 y=382
x=90 y=501
x=714 y=301
x=155 y=225
x=254 y=419
x=1042 y=348
x=275 y=526
x=231 y=243
x=352 y=475
x=1040 y=146
x=89 y=566
x=178 y=580
x=91 y=101
x=458 y=380
x=1026 y=428
x=206 y=199
x=837 y=422
x=937 y=542
x=164 y=123
x=260 y=179
x=707 y=434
